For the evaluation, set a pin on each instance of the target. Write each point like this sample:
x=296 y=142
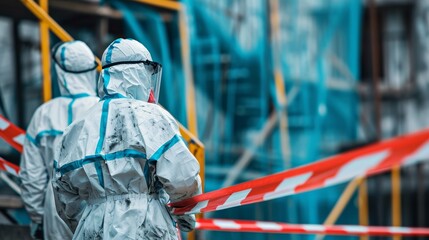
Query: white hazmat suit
x=119 y=167
x=75 y=67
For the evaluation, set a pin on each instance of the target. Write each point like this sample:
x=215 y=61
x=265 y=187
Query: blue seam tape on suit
x=63 y=59
x=44 y=133
x=103 y=126
x=117 y=155
x=106 y=78
x=99 y=157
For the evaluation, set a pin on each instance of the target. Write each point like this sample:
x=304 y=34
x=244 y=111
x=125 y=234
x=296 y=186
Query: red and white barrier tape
x=380 y=157
x=376 y=158
x=11 y=134
x=275 y=227
x=8 y=167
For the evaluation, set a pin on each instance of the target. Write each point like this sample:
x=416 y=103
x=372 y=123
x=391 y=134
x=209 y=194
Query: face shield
x=154 y=71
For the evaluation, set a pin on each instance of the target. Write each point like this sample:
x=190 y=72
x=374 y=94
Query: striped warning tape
x=376 y=158
x=275 y=227
x=12 y=134
x=380 y=157
x=8 y=167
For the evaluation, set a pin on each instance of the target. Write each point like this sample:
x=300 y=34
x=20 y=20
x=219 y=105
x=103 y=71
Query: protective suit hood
x=129 y=72
x=76 y=68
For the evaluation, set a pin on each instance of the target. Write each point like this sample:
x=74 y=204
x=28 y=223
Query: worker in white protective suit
x=119 y=167
x=75 y=67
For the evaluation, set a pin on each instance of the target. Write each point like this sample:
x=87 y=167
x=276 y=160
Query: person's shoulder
x=89 y=99
x=156 y=109
x=89 y=111
x=152 y=111
x=42 y=117
x=142 y=109
x=49 y=104
x=53 y=107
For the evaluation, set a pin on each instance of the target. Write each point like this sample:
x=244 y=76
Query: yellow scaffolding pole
x=171 y=5
x=195 y=146
x=363 y=206
x=341 y=203
x=190 y=90
x=396 y=198
x=279 y=83
x=46 y=58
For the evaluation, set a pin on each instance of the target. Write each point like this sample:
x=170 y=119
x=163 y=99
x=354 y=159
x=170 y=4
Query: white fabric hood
x=124 y=74
x=76 y=69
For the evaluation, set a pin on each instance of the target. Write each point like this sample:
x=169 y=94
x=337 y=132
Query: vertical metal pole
x=421 y=202
x=186 y=61
x=363 y=206
x=396 y=198
x=279 y=82
x=46 y=58
x=19 y=87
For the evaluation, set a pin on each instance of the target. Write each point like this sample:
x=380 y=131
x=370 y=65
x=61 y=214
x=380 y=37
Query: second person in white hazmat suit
x=119 y=167
x=75 y=67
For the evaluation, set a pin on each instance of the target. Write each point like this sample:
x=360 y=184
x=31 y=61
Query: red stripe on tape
x=12 y=134
x=9 y=167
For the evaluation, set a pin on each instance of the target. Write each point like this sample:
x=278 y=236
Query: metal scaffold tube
x=44 y=48
x=363 y=206
x=172 y=5
x=279 y=82
x=396 y=198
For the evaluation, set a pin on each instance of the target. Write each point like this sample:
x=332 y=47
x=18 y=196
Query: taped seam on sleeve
x=164 y=148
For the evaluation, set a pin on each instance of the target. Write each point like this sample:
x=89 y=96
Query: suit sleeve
x=178 y=171
x=67 y=201
x=34 y=179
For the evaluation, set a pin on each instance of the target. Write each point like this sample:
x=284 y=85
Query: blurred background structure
x=266 y=85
